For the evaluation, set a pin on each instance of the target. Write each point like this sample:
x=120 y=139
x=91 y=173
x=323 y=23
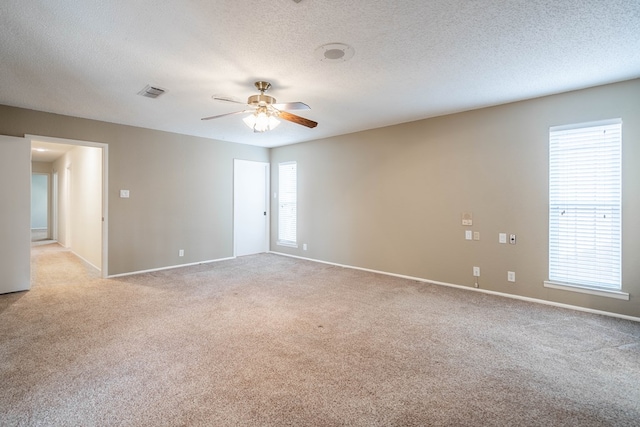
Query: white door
x=250 y=207
x=15 y=214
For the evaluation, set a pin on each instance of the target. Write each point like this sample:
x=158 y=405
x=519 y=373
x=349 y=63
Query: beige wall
x=181 y=188
x=41 y=167
x=391 y=199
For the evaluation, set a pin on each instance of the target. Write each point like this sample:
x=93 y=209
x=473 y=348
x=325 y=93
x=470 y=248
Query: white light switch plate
x=124 y=194
x=468 y=234
x=502 y=237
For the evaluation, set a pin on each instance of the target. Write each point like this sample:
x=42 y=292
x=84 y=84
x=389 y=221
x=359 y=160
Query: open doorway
x=77 y=195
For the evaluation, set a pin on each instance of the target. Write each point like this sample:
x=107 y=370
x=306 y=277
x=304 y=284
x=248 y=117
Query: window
x=287 y=208
x=585 y=206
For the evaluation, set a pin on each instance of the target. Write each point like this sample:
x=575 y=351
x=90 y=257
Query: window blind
x=585 y=204
x=287 y=207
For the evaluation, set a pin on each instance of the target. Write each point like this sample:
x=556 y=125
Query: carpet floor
x=267 y=340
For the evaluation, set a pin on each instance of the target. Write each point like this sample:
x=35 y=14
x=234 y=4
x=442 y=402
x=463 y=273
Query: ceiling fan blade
x=227 y=99
x=297 y=119
x=292 y=106
x=227 y=114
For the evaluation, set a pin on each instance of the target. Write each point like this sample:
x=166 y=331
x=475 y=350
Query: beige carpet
x=267 y=340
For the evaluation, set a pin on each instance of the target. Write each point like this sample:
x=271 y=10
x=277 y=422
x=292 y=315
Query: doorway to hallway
x=77 y=195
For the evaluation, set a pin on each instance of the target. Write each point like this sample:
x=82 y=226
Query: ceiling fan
x=266 y=111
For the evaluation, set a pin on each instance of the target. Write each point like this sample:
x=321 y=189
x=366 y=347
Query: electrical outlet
x=511 y=276
x=304 y=246
x=476 y=271
x=181 y=252
x=468 y=234
x=476 y=235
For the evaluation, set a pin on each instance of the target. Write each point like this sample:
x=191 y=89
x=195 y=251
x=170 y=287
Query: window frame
x=572 y=249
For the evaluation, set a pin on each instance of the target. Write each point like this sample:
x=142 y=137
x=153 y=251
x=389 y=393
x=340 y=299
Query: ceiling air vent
x=151 y=91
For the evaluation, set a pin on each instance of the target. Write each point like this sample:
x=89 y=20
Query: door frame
x=54 y=206
x=105 y=188
x=267 y=203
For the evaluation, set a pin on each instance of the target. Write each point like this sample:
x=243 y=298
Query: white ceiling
x=413 y=58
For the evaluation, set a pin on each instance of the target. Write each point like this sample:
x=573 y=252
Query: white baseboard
x=84 y=259
x=468 y=288
x=169 y=267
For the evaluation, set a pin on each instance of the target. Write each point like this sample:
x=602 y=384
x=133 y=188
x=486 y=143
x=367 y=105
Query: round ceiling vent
x=334 y=52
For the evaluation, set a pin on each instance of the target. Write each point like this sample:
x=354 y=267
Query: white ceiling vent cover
x=151 y=91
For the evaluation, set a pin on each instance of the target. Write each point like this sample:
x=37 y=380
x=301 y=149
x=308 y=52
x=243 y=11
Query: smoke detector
x=151 y=91
x=334 y=52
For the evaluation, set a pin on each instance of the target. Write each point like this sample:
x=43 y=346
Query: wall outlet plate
x=468 y=235
x=476 y=271
x=511 y=276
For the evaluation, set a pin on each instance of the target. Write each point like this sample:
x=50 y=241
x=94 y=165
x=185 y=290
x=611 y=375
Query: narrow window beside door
x=287 y=203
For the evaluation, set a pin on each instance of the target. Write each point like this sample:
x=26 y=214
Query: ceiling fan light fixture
x=266 y=111
x=261 y=121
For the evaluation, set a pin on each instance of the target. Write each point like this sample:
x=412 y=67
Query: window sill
x=287 y=244
x=586 y=290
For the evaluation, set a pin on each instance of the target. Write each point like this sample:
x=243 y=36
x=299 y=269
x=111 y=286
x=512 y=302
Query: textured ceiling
x=413 y=58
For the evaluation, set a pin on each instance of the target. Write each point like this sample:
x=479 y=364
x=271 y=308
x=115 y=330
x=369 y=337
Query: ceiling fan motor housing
x=261 y=100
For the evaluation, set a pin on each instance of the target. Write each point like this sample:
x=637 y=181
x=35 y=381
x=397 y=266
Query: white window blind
x=287 y=207
x=585 y=204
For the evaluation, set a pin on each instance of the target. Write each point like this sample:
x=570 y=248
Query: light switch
x=468 y=234
x=124 y=194
x=502 y=237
